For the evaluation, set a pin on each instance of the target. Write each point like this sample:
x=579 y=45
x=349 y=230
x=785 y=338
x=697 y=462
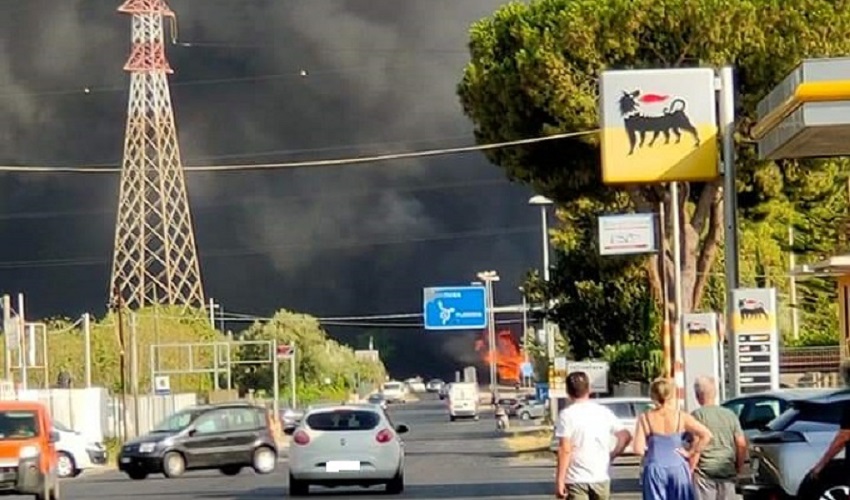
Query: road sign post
x=455 y=308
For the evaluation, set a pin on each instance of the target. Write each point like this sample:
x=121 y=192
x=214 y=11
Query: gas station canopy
x=808 y=114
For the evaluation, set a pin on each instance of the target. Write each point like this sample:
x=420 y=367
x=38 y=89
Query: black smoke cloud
x=262 y=81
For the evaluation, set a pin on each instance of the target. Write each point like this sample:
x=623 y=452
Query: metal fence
x=810 y=359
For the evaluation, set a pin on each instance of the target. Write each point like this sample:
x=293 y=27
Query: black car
x=227 y=437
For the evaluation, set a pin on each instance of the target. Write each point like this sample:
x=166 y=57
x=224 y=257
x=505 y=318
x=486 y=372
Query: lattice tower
x=155 y=259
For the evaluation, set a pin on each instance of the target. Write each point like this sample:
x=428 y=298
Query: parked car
x=755 y=411
x=434 y=385
x=28 y=450
x=289 y=417
x=528 y=409
x=784 y=453
x=378 y=399
x=509 y=405
x=346 y=445
x=626 y=409
x=75 y=453
x=394 y=392
x=227 y=437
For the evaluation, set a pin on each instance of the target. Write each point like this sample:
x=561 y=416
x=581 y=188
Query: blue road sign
x=455 y=308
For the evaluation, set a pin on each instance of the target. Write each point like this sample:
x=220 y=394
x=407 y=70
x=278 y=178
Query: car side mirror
x=289 y=431
x=54 y=437
x=191 y=432
x=402 y=429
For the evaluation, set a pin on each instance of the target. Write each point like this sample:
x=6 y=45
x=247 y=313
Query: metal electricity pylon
x=155 y=258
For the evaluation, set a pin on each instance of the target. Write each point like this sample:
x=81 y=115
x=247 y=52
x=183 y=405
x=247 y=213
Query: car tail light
x=778 y=437
x=385 y=436
x=301 y=438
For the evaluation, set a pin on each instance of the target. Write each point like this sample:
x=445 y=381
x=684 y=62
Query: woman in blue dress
x=659 y=437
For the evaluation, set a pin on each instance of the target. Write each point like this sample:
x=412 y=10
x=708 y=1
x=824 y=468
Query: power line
x=449 y=236
x=312 y=163
x=260 y=201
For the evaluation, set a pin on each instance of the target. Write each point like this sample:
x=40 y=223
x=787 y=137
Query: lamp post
x=544 y=203
x=488 y=277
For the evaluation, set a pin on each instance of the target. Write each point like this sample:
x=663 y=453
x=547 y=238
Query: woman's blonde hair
x=662 y=390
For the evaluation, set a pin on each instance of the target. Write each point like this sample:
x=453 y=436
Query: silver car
x=626 y=409
x=789 y=446
x=346 y=445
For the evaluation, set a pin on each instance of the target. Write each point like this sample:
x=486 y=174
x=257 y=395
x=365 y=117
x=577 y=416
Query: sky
x=262 y=81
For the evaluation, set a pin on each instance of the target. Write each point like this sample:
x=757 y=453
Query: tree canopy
x=325 y=368
x=534 y=69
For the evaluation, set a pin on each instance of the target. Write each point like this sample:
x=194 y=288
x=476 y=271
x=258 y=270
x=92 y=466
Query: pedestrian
x=722 y=460
x=827 y=468
x=584 y=431
x=659 y=438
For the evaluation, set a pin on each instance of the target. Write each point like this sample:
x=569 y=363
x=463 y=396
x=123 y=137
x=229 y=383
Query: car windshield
x=343 y=420
x=176 y=422
x=18 y=425
x=807 y=416
x=392 y=387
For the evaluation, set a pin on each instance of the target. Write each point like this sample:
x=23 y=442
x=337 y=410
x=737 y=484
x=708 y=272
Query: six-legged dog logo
x=638 y=125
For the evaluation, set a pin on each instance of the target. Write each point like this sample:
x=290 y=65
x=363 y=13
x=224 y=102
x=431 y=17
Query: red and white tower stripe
x=155 y=259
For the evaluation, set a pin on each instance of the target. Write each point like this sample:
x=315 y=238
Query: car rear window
x=343 y=420
x=392 y=387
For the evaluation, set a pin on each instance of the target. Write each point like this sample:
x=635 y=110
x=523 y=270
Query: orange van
x=28 y=456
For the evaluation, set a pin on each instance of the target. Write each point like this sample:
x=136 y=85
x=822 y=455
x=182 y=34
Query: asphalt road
x=459 y=460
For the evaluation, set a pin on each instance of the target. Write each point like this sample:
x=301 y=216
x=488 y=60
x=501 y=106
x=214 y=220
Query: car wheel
x=231 y=470
x=297 y=487
x=137 y=475
x=452 y=418
x=396 y=484
x=264 y=461
x=173 y=464
x=835 y=491
x=65 y=465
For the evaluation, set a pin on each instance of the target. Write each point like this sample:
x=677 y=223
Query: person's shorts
x=589 y=491
x=714 y=489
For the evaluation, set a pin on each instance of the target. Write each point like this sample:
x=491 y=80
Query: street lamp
x=544 y=203
x=488 y=277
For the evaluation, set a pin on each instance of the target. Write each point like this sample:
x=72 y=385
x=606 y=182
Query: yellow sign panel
x=658 y=126
x=755 y=312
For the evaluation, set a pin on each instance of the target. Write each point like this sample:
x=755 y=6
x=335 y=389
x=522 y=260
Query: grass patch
x=529 y=442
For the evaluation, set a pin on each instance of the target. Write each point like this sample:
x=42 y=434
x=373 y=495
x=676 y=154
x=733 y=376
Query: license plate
x=343 y=466
x=125 y=460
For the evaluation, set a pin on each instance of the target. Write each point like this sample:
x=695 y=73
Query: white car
x=394 y=392
x=346 y=445
x=76 y=453
x=627 y=410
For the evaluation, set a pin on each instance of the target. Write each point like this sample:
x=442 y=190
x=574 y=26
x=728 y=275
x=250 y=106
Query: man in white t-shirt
x=584 y=433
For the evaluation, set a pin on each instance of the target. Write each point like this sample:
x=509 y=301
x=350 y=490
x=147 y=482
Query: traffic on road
x=436 y=458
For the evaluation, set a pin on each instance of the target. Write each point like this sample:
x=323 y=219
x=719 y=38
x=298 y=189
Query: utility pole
x=7 y=336
x=118 y=306
x=792 y=263
x=134 y=370
x=488 y=277
x=22 y=334
x=87 y=347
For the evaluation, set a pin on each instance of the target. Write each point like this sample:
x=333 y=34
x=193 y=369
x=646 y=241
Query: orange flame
x=509 y=356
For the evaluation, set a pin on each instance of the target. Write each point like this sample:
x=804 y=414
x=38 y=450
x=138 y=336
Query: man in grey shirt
x=717 y=466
